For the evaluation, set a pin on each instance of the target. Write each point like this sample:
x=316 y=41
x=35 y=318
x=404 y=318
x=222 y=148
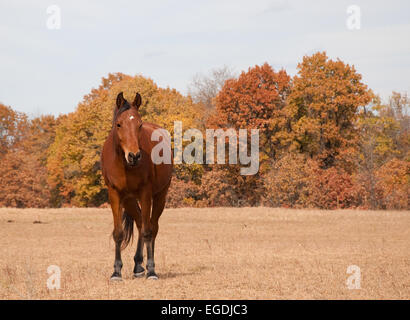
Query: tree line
x=326 y=141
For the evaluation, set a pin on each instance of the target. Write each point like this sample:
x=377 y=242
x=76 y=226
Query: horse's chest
x=134 y=181
x=134 y=185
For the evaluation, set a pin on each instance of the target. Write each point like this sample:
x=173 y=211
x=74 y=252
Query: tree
x=287 y=183
x=298 y=181
x=383 y=138
x=23 y=172
x=322 y=108
x=13 y=127
x=393 y=180
x=23 y=181
x=398 y=109
x=74 y=157
x=204 y=88
x=254 y=100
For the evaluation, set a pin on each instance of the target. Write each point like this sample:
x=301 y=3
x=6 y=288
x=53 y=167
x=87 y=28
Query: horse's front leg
x=146 y=201
x=132 y=208
x=139 y=270
x=118 y=233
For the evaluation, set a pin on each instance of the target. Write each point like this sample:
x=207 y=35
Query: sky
x=48 y=71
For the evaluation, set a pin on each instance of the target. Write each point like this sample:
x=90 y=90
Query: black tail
x=128 y=224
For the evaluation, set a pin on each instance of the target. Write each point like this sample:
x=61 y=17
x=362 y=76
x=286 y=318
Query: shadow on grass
x=171 y=275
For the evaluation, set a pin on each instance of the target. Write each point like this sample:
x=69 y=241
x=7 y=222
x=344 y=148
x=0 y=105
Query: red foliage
x=253 y=100
x=333 y=188
x=317 y=149
x=23 y=181
x=394 y=183
x=298 y=181
x=182 y=194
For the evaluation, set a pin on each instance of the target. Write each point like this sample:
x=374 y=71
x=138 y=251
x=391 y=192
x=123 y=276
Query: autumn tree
x=322 y=108
x=24 y=181
x=23 y=171
x=325 y=141
x=254 y=100
x=384 y=138
x=297 y=181
x=398 y=108
x=288 y=182
x=393 y=182
x=13 y=127
x=74 y=157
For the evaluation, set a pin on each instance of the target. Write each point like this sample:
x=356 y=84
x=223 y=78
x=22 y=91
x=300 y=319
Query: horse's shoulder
x=150 y=126
x=148 y=130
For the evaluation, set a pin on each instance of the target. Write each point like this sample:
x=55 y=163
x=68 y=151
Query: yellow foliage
x=74 y=157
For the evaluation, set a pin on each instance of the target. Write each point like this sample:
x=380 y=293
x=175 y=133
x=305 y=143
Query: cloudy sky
x=49 y=71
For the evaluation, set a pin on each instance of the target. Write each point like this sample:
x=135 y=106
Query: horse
x=137 y=187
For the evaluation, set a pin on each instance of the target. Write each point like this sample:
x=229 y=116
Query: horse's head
x=127 y=124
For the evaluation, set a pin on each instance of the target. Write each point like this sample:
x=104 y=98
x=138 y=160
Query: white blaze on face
x=131 y=117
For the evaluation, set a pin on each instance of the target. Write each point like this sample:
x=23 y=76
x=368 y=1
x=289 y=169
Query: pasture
x=213 y=253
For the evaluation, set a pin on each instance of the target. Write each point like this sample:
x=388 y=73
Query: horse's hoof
x=152 y=276
x=139 y=274
x=116 y=277
x=139 y=271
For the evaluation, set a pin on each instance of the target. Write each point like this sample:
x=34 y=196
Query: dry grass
x=220 y=253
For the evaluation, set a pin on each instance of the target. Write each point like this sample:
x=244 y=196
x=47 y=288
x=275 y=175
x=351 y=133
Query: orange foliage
x=182 y=194
x=22 y=171
x=394 y=183
x=298 y=181
x=323 y=107
x=321 y=144
x=13 y=127
x=287 y=184
x=255 y=100
x=334 y=188
x=23 y=181
x=73 y=161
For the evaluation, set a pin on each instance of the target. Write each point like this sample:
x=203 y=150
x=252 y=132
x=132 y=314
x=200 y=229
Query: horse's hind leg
x=118 y=232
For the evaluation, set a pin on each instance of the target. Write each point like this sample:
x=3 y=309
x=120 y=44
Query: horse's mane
x=125 y=106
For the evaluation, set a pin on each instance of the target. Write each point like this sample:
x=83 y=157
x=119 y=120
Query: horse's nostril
x=133 y=158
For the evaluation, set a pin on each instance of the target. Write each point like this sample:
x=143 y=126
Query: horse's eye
x=118 y=125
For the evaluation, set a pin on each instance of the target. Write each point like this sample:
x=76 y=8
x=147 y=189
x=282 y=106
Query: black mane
x=125 y=106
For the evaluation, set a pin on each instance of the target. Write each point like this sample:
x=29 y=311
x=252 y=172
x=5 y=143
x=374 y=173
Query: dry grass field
x=218 y=253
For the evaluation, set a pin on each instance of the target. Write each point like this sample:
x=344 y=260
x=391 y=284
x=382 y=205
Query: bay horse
x=137 y=187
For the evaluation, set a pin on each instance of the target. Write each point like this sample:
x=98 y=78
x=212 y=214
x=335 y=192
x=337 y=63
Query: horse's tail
x=128 y=224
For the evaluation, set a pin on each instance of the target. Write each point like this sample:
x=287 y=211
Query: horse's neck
x=116 y=149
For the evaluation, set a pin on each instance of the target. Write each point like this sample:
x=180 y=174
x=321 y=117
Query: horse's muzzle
x=134 y=158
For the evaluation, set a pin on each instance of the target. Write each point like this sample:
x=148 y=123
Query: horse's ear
x=137 y=101
x=120 y=100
